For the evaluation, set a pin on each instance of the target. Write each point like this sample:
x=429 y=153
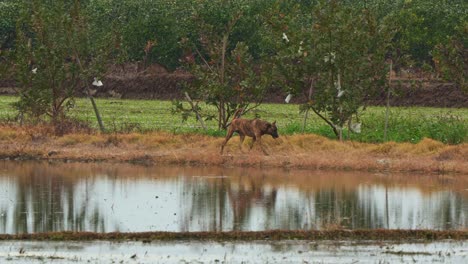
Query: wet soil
x=426 y=93
x=380 y=235
x=155 y=82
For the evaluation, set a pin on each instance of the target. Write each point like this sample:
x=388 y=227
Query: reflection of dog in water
x=254 y=128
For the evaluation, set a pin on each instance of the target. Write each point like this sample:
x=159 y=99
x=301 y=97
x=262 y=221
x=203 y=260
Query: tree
x=226 y=75
x=336 y=54
x=9 y=10
x=55 y=56
x=162 y=23
x=452 y=58
x=424 y=24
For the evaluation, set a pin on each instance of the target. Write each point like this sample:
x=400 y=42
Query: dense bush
x=9 y=13
x=422 y=24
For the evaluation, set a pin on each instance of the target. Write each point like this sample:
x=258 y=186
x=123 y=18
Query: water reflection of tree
x=245 y=196
x=39 y=198
x=45 y=202
x=406 y=209
x=221 y=206
x=55 y=198
x=207 y=203
x=336 y=208
x=227 y=204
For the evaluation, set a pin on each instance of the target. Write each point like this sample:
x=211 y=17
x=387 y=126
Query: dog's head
x=272 y=130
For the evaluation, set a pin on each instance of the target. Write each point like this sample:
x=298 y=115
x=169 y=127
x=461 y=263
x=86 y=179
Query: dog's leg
x=241 y=140
x=228 y=136
x=253 y=141
x=259 y=137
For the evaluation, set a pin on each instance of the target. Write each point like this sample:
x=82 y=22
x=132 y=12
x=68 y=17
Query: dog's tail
x=237 y=113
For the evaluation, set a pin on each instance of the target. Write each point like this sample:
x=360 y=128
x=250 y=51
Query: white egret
x=97 y=82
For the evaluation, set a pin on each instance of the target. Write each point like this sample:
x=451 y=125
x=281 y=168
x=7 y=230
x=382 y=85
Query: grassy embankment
x=147 y=132
x=411 y=124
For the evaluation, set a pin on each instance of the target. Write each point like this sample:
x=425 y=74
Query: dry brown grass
x=297 y=151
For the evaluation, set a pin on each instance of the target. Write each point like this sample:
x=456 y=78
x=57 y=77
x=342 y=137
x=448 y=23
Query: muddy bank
x=296 y=151
x=425 y=93
x=155 y=82
x=169 y=87
x=379 y=235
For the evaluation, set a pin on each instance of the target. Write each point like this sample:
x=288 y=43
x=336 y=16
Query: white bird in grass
x=330 y=57
x=97 y=82
x=300 y=50
x=34 y=71
x=285 y=37
x=355 y=127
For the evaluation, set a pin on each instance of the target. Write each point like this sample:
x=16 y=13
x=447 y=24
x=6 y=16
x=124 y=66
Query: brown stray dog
x=254 y=128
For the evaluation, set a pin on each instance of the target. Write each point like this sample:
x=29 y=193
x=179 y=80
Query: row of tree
x=422 y=24
x=334 y=53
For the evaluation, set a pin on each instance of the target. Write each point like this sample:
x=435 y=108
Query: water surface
x=41 y=197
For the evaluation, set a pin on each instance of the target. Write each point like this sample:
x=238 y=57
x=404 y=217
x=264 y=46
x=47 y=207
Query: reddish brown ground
x=133 y=81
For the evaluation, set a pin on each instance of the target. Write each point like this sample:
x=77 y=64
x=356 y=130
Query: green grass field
x=409 y=124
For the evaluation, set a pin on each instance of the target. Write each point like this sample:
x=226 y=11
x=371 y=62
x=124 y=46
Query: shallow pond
x=101 y=197
x=22 y=252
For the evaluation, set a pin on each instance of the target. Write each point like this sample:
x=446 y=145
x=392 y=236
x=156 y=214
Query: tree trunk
x=306 y=115
x=194 y=109
x=387 y=108
x=222 y=72
x=337 y=134
x=96 y=111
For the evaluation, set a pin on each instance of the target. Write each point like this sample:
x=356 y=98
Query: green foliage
x=226 y=75
x=452 y=58
x=413 y=124
x=159 y=23
x=9 y=12
x=47 y=74
x=55 y=53
x=448 y=129
x=423 y=24
x=338 y=57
